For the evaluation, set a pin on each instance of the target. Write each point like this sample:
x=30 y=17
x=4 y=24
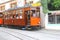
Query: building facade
x=7 y=4
x=11 y=4
x=52 y=18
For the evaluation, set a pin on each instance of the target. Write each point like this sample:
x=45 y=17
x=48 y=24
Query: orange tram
x=25 y=17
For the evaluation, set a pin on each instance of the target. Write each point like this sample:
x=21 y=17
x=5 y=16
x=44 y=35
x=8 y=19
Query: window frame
x=14 y=3
x=55 y=19
x=2 y=7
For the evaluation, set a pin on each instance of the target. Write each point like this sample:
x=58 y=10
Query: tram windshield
x=35 y=13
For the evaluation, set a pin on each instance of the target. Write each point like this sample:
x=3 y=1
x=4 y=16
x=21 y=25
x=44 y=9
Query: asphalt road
x=15 y=34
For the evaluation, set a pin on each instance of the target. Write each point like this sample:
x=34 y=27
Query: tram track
x=50 y=35
x=10 y=32
x=47 y=34
x=3 y=34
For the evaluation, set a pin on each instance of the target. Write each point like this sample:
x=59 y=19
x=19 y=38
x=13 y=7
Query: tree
x=56 y=4
x=44 y=5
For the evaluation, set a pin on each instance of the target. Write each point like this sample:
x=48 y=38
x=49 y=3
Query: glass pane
x=1 y=15
x=33 y=13
x=38 y=12
x=58 y=18
x=51 y=19
x=21 y=12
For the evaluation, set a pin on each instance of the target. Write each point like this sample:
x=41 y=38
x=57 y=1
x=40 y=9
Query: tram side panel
x=6 y=18
x=11 y=17
x=35 y=21
x=19 y=18
x=1 y=18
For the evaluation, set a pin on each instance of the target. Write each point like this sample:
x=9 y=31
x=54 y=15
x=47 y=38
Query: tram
x=27 y=17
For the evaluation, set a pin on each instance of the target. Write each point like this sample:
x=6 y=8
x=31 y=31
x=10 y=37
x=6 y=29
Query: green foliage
x=44 y=5
x=48 y=1
x=56 y=3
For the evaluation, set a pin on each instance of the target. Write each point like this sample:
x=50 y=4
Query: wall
x=42 y=15
x=20 y=3
x=7 y=6
x=2 y=1
x=51 y=26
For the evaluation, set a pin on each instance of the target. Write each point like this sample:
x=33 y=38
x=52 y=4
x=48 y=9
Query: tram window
x=5 y=15
x=10 y=16
x=21 y=12
x=38 y=13
x=10 y=13
x=1 y=15
x=17 y=16
x=35 y=13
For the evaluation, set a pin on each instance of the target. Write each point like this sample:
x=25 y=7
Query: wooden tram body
x=25 y=16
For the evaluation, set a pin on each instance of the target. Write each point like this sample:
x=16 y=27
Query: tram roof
x=16 y=8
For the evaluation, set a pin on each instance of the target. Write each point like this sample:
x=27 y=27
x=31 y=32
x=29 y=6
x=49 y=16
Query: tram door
x=27 y=17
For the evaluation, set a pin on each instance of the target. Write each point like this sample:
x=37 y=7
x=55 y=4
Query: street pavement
x=15 y=34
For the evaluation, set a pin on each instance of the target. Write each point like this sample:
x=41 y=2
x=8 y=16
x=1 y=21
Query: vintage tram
x=27 y=17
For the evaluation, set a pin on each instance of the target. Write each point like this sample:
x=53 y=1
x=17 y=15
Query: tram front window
x=35 y=13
